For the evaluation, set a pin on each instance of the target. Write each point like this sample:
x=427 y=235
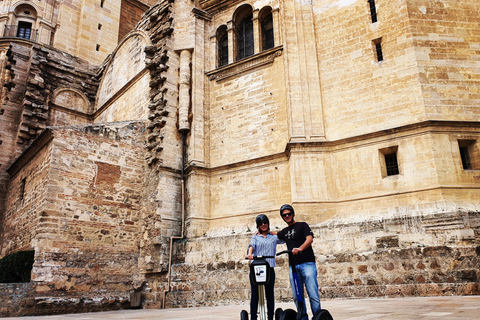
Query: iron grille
x=467 y=165
x=391 y=164
x=20 y=32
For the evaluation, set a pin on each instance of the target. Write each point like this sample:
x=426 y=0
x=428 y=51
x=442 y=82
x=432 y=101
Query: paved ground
x=425 y=308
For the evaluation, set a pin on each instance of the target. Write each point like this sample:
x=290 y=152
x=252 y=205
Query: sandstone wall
x=433 y=254
x=447 y=44
x=13 y=84
x=123 y=91
x=25 y=200
x=131 y=12
x=81 y=210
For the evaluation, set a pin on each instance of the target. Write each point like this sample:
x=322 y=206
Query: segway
x=260 y=276
x=290 y=314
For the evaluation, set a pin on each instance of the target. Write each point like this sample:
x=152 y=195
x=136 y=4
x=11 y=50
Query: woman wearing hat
x=263 y=243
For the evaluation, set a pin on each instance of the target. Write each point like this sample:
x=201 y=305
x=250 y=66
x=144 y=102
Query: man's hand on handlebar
x=250 y=257
x=296 y=251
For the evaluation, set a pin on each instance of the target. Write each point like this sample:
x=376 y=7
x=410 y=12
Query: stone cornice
x=200 y=14
x=215 y=5
x=252 y=62
x=429 y=126
x=37 y=144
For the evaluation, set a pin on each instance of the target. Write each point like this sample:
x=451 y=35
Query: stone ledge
x=261 y=59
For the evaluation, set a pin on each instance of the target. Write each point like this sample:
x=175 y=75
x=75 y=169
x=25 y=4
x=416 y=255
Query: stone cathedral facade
x=140 y=139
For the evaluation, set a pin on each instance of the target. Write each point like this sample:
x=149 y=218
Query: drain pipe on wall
x=183 y=128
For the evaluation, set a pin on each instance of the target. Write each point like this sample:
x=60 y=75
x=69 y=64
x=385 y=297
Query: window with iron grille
x=469 y=154
x=373 y=10
x=391 y=164
x=467 y=165
x=21 y=195
x=222 y=38
x=245 y=38
x=378 y=49
x=267 y=32
x=24 y=30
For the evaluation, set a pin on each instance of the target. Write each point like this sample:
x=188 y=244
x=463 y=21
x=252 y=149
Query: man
x=299 y=237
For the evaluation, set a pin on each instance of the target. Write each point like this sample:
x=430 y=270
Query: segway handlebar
x=284 y=252
x=261 y=257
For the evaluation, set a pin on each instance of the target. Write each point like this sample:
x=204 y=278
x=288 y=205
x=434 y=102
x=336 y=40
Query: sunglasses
x=286 y=214
x=263 y=222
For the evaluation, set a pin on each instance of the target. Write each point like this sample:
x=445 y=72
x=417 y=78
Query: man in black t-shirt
x=299 y=237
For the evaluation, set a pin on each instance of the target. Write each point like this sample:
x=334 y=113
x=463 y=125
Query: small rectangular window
x=389 y=161
x=373 y=10
x=99 y=26
x=469 y=154
x=378 y=49
x=101 y=3
x=98 y=47
x=21 y=194
x=391 y=164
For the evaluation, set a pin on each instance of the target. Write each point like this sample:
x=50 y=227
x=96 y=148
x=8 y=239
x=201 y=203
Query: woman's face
x=264 y=226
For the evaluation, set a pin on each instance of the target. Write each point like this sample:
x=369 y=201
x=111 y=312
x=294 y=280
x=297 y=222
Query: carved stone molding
x=252 y=62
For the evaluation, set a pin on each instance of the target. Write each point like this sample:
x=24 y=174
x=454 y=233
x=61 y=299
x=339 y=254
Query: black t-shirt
x=294 y=236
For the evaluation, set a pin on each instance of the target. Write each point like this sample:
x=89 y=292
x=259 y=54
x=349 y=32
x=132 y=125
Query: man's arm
x=304 y=246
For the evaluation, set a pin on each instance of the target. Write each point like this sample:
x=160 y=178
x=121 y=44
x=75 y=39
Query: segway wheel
x=322 y=314
x=300 y=308
x=288 y=314
x=278 y=313
x=243 y=315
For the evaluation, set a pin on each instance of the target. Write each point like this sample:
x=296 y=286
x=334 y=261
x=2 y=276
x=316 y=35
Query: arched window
x=244 y=31
x=222 y=46
x=266 y=20
x=26 y=17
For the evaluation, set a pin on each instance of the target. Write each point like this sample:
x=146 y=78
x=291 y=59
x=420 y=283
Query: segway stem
x=296 y=285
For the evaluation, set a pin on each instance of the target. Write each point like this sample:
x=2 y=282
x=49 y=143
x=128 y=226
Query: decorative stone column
x=277 y=34
x=184 y=90
x=256 y=32
x=231 y=43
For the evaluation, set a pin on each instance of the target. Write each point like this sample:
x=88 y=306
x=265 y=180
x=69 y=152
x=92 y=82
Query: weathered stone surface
x=95 y=175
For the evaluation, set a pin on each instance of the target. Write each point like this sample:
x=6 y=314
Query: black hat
x=261 y=218
x=285 y=207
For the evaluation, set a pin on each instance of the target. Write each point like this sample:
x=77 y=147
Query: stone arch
x=71 y=99
x=221 y=36
x=17 y=7
x=23 y=18
x=266 y=33
x=124 y=72
x=244 y=34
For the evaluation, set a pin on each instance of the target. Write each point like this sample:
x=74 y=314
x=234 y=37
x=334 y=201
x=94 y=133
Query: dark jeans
x=268 y=295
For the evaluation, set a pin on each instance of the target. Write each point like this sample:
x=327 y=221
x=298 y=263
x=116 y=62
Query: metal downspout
x=182 y=234
x=184 y=128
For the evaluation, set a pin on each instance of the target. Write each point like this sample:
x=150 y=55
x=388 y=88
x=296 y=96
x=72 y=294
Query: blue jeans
x=307 y=274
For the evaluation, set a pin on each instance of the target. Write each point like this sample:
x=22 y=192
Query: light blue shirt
x=265 y=246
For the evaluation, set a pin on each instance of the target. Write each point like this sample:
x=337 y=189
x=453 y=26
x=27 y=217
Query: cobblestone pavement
x=425 y=308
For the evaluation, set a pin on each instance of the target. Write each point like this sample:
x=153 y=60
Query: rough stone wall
x=81 y=211
x=402 y=256
x=13 y=87
x=130 y=13
x=306 y=123
x=34 y=78
x=25 y=200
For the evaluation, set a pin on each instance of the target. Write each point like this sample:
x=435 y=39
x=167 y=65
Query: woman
x=264 y=243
